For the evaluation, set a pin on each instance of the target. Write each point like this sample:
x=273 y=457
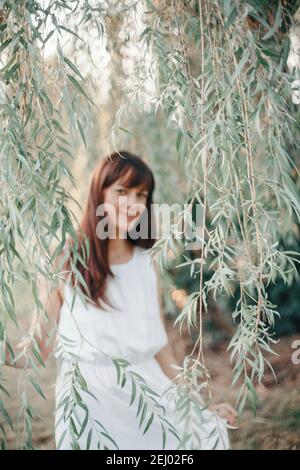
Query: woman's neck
x=119 y=250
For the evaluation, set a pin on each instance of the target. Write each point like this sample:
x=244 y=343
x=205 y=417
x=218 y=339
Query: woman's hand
x=226 y=411
x=41 y=329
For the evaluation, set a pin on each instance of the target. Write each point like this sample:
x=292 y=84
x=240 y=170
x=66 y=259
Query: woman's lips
x=128 y=217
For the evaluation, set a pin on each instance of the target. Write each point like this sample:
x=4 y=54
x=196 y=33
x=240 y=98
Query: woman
x=116 y=313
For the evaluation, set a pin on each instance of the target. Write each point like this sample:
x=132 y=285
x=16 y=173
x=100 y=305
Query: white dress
x=136 y=333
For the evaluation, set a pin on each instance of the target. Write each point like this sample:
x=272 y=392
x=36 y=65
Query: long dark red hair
x=89 y=253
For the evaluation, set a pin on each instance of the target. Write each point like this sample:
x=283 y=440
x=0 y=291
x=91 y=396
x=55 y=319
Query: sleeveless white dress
x=134 y=332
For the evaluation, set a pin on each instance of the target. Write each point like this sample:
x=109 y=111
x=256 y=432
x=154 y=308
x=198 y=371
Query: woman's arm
x=165 y=356
x=41 y=328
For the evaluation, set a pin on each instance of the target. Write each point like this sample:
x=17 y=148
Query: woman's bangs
x=136 y=177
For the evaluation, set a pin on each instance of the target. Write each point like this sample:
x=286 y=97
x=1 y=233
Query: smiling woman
x=129 y=325
x=117 y=350
x=118 y=173
x=124 y=206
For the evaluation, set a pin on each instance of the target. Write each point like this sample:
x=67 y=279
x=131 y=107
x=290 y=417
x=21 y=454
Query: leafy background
x=65 y=103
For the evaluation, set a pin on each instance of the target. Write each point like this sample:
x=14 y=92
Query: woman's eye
x=123 y=191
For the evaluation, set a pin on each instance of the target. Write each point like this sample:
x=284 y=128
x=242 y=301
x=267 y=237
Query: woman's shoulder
x=148 y=260
x=143 y=252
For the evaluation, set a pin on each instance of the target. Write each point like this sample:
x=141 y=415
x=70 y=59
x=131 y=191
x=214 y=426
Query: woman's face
x=124 y=206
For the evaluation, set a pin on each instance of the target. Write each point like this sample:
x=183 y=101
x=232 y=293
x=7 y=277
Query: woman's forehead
x=128 y=183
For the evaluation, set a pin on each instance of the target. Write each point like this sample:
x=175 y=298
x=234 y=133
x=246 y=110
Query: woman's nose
x=134 y=207
x=134 y=210
x=132 y=200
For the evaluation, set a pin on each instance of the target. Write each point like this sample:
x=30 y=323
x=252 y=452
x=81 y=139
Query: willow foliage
x=216 y=73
